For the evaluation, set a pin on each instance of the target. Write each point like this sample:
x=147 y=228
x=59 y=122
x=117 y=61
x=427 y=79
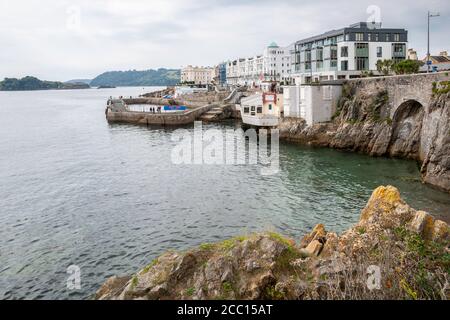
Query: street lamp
x=430 y=15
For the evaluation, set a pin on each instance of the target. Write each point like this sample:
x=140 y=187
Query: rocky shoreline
x=363 y=124
x=408 y=249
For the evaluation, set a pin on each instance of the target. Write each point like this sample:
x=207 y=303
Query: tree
x=385 y=66
x=407 y=67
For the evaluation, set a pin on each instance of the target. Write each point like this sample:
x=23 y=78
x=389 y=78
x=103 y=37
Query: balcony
x=399 y=54
x=362 y=52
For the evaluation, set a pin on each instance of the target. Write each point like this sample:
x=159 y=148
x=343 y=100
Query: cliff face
x=408 y=249
x=363 y=123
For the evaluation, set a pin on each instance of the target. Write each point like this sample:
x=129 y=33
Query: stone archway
x=406 y=130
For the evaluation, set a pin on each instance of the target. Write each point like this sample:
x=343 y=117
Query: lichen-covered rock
x=385 y=208
x=409 y=247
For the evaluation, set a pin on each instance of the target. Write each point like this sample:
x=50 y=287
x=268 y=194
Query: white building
x=262 y=109
x=273 y=65
x=348 y=52
x=314 y=103
x=197 y=75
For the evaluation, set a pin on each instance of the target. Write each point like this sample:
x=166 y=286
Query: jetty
x=162 y=108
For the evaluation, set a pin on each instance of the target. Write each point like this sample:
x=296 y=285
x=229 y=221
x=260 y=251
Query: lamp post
x=430 y=15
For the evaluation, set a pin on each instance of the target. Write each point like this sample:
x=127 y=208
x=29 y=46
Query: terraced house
x=347 y=53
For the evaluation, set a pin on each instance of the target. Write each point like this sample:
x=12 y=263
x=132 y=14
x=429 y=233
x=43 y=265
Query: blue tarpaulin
x=175 y=108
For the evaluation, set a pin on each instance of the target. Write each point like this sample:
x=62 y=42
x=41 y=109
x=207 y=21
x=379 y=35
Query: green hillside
x=160 y=77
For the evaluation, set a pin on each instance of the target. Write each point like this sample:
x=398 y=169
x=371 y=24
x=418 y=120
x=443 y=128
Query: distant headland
x=131 y=78
x=33 y=83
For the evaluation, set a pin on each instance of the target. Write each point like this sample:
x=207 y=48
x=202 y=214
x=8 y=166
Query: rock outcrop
x=394 y=252
x=363 y=124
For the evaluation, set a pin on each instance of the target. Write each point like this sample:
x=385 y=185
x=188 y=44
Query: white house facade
x=314 y=103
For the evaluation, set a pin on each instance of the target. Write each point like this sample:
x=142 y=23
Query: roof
x=273 y=45
x=363 y=26
x=438 y=59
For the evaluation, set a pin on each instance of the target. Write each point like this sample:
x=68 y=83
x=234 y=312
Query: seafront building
x=308 y=72
x=262 y=109
x=314 y=103
x=273 y=65
x=197 y=75
x=316 y=66
x=347 y=52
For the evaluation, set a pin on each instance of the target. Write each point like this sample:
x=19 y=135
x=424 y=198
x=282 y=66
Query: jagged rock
x=313 y=249
x=111 y=287
x=423 y=224
x=331 y=244
x=385 y=208
x=318 y=233
x=440 y=231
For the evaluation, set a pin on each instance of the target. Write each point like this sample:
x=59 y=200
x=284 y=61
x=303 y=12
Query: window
x=270 y=107
x=379 y=52
x=344 y=65
x=362 y=63
x=377 y=37
x=369 y=37
x=333 y=53
x=344 y=52
x=359 y=36
x=319 y=54
x=347 y=37
x=259 y=110
x=388 y=38
x=397 y=37
x=246 y=109
x=362 y=50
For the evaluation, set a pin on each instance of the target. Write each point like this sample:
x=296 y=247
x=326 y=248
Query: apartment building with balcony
x=347 y=53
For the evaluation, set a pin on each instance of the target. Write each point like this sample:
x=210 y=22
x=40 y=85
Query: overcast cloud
x=62 y=40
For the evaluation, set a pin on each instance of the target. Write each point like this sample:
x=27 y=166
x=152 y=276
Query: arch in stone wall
x=406 y=130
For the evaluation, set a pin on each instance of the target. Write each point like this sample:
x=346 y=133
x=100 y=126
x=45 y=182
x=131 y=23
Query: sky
x=79 y=39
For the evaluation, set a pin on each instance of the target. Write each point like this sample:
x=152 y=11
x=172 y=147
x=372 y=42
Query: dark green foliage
x=407 y=66
x=388 y=67
x=160 y=77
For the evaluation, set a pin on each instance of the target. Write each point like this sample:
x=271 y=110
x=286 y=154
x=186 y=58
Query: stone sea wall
x=159 y=119
x=408 y=248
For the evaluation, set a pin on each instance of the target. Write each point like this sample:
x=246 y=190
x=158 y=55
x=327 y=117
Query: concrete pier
x=162 y=119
